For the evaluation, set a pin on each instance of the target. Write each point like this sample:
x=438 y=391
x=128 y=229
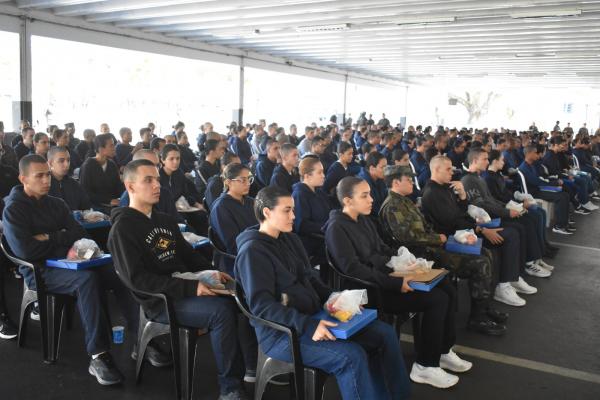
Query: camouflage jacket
x=402 y=221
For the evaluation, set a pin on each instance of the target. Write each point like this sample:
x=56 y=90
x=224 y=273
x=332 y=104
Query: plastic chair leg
x=187 y=359
x=149 y=330
x=268 y=368
x=314 y=384
x=29 y=297
x=54 y=314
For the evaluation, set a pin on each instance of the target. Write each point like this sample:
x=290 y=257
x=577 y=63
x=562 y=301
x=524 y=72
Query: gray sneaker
x=105 y=370
x=239 y=394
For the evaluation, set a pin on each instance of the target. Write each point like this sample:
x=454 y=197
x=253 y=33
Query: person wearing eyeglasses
x=233 y=211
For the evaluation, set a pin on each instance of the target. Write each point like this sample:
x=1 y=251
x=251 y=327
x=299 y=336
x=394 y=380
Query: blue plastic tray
x=77 y=265
x=550 y=188
x=427 y=286
x=494 y=223
x=345 y=330
x=454 y=247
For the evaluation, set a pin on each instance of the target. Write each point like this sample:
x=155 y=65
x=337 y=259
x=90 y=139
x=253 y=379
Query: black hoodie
x=146 y=251
x=266 y=268
x=358 y=251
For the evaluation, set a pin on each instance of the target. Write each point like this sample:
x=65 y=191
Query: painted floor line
x=520 y=362
x=575 y=246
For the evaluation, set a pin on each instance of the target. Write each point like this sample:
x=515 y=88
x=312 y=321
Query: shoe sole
x=423 y=381
x=455 y=370
x=509 y=304
x=562 y=233
x=153 y=363
x=250 y=380
x=538 y=275
x=524 y=292
x=102 y=381
x=7 y=337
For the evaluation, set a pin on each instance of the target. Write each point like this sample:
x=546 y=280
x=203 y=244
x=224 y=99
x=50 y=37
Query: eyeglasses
x=244 y=180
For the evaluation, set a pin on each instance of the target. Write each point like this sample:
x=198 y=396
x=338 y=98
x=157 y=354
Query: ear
x=129 y=186
x=22 y=179
x=266 y=212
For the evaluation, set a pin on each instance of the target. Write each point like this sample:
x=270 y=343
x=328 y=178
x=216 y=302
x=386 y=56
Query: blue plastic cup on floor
x=118 y=334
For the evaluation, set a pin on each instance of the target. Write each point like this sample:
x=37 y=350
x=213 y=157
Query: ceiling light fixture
x=534 y=55
x=323 y=28
x=544 y=13
x=423 y=21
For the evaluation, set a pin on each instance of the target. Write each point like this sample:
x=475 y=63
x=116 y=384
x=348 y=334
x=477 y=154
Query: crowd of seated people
x=279 y=204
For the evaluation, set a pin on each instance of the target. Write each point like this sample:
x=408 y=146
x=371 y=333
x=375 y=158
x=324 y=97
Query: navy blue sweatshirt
x=242 y=149
x=358 y=251
x=378 y=191
x=214 y=188
x=123 y=154
x=267 y=267
x=71 y=192
x=335 y=173
x=264 y=169
x=229 y=217
x=312 y=211
x=25 y=217
x=282 y=178
x=101 y=186
x=179 y=186
x=188 y=158
x=147 y=250
x=444 y=209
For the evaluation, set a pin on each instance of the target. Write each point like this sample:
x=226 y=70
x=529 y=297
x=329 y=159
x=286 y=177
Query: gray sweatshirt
x=479 y=195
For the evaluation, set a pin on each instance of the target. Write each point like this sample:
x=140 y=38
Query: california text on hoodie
x=147 y=250
x=358 y=251
x=268 y=267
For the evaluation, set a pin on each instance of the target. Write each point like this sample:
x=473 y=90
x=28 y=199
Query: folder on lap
x=345 y=330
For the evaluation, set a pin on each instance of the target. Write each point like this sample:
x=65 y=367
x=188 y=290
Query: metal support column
x=241 y=99
x=22 y=109
x=345 y=98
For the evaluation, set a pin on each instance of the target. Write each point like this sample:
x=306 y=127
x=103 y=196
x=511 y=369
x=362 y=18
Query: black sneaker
x=250 y=376
x=154 y=356
x=8 y=330
x=562 y=231
x=582 y=211
x=105 y=370
x=486 y=327
x=498 y=317
x=35 y=312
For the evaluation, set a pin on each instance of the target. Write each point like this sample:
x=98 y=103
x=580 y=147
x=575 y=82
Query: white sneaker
x=506 y=294
x=536 y=270
x=521 y=286
x=544 y=265
x=454 y=363
x=590 y=206
x=434 y=376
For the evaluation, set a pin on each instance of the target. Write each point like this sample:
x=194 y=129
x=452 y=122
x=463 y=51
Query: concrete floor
x=552 y=349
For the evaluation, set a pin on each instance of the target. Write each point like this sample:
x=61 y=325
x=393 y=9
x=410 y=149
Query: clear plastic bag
x=478 y=214
x=523 y=196
x=211 y=278
x=93 y=216
x=84 y=249
x=465 y=236
x=346 y=304
x=182 y=204
x=406 y=262
x=191 y=237
x=513 y=205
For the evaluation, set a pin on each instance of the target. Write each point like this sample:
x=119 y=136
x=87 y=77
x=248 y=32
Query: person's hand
x=527 y=204
x=200 y=206
x=471 y=239
x=203 y=290
x=458 y=187
x=405 y=288
x=493 y=236
x=114 y=202
x=514 y=214
x=443 y=238
x=322 y=333
x=42 y=237
x=225 y=277
x=560 y=182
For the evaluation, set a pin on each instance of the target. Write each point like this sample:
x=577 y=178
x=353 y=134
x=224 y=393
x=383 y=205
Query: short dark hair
x=233 y=170
x=130 y=170
x=124 y=130
x=167 y=149
x=494 y=155
x=344 y=147
x=211 y=145
x=101 y=140
x=345 y=187
x=532 y=148
x=145 y=130
x=366 y=148
x=58 y=133
x=155 y=143
x=398 y=154
x=268 y=197
x=316 y=140
x=39 y=136
x=29 y=159
x=373 y=160
x=54 y=150
x=228 y=158
x=474 y=153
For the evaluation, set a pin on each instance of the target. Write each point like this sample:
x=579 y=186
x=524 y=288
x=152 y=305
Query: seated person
x=358 y=251
x=38 y=227
x=339 y=169
x=209 y=167
x=157 y=144
x=146 y=136
x=61 y=184
x=173 y=179
x=404 y=225
x=99 y=175
x=417 y=158
x=233 y=211
x=445 y=203
x=165 y=204
x=188 y=158
x=478 y=194
x=284 y=289
x=41 y=144
x=241 y=147
x=581 y=150
x=400 y=157
x=214 y=186
x=312 y=210
x=267 y=162
x=25 y=146
x=497 y=186
x=372 y=173
x=86 y=147
x=534 y=182
x=458 y=157
x=8 y=330
x=124 y=151
x=286 y=173
x=147 y=247
x=62 y=139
